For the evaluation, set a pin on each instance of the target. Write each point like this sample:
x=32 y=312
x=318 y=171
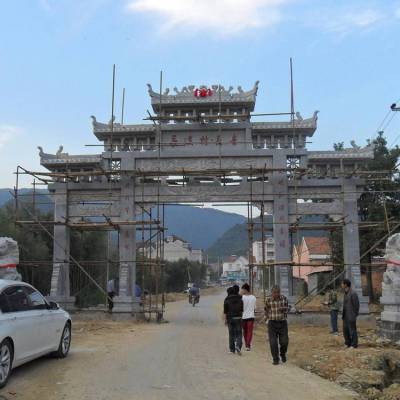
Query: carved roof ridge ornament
x=313 y=119
x=358 y=149
x=62 y=158
x=100 y=125
x=59 y=153
x=366 y=152
x=299 y=122
x=189 y=93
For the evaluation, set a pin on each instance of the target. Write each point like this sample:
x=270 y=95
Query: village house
x=269 y=254
x=269 y=250
x=309 y=258
x=235 y=269
x=176 y=248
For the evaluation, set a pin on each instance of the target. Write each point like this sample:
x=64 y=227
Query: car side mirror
x=53 y=305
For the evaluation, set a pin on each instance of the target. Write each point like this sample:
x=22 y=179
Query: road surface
x=187 y=356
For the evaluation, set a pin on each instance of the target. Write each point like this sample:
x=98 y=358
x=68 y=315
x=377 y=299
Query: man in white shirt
x=249 y=307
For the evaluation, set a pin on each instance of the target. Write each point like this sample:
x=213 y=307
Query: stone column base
x=364 y=304
x=124 y=304
x=292 y=301
x=66 y=303
x=389 y=330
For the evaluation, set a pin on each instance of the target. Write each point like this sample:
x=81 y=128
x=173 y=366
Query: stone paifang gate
x=203 y=146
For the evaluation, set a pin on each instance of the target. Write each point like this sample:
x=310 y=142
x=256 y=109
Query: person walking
x=351 y=308
x=194 y=291
x=333 y=305
x=233 y=310
x=276 y=309
x=110 y=294
x=249 y=307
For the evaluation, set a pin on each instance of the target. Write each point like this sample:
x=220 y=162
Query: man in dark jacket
x=351 y=308
x=233 y=310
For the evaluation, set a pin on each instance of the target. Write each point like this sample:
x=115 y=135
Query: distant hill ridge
x=199 y=226
x=219 y=233
x=236 y=240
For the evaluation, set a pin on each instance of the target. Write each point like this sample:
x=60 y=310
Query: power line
x=384 y=123
x=394 y=108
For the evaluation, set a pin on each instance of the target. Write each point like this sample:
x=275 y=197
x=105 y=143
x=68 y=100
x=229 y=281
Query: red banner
x=8 y=266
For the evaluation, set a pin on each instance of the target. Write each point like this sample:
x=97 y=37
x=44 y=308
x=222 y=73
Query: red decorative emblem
x=203 y=92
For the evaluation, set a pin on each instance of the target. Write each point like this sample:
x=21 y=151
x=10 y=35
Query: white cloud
x=223 y=17
x=7 y=134
x=351 y=20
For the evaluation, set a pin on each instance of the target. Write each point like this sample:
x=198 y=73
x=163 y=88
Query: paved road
x=187 y=356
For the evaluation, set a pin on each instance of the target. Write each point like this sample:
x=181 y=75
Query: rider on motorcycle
x=194 y=291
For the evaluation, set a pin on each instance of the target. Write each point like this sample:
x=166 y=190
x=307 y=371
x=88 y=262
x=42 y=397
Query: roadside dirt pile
x=373 y=370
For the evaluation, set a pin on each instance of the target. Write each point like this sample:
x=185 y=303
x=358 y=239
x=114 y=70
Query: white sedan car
x=30 y=327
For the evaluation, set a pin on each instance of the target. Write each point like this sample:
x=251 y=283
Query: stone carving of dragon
x=42 y=154
x=298 y=116
x=59 y=153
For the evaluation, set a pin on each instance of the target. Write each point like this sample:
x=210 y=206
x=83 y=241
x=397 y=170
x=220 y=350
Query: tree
x=35 y=246
x=380 y=202
x=89 y=248
x=338 y=146
x=36 y=252
x=177 y=276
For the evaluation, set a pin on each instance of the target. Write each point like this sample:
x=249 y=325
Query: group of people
x=239 y=313
x=350 y=310
x=113 y=289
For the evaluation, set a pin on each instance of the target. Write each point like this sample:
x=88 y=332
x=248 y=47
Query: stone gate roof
x=189 y=96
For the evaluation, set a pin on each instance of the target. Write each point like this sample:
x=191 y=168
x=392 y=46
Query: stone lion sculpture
x=392 y=275
x=9 y=258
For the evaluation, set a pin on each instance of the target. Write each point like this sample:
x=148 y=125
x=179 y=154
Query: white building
x=176 y=248
x=235 y=269
x=269 y=246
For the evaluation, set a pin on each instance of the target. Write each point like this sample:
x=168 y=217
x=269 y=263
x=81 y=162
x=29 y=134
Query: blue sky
x=56 y=61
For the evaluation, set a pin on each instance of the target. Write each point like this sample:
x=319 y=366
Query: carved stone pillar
x=351 y=242
x=249 y=139
x=60 y=283
x=279 y=181
x=126 y=301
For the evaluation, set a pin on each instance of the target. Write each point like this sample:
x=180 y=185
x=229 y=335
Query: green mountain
x=199 y=226
x=220 y=233
x=43 y=201
x=235 y=241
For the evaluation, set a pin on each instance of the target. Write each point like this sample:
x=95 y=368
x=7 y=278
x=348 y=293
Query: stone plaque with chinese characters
x=189 y=139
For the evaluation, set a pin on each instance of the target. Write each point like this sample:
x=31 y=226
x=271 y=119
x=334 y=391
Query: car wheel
x=65 y=342
x=6 y=359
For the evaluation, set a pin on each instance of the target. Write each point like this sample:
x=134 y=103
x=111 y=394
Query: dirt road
x=187 y=356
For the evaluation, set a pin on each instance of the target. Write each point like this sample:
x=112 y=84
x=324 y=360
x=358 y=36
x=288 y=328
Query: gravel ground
x=122 y=360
